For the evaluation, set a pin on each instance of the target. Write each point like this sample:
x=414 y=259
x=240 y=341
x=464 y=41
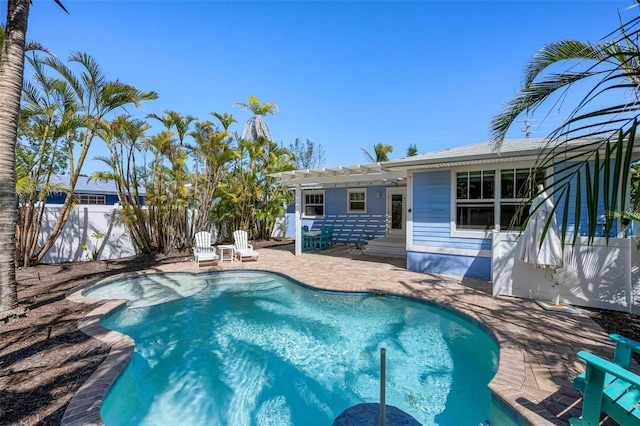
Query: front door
x=396 y=216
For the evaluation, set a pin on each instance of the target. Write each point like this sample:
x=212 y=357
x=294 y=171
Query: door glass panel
x=396 y=211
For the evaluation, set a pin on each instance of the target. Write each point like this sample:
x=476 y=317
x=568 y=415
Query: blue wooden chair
x=326 y=236
x=625 y=348
x=306 y=240
x=609 y=387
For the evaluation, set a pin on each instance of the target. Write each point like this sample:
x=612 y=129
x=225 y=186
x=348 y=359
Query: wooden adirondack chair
x=609 y=387
x=243 y=248
x=202 y=250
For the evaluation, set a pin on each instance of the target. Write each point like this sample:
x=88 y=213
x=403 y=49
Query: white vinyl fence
x=599 y=275
x=87 y=220
x=84 y=221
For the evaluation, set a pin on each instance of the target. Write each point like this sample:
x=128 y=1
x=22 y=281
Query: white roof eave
x=450 y=163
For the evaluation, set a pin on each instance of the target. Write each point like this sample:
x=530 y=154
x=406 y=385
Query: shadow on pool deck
x=537 y=348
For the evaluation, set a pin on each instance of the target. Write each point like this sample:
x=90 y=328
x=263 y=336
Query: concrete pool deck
x=537 y=348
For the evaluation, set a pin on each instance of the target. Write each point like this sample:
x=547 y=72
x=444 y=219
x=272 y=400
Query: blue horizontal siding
x=352 y=228
x=583 y=225
x=431 y=203
x=432 y=213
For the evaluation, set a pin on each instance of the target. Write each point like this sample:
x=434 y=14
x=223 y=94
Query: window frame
x=516 y=199
x=497 y=201
x=304 y=203
x=94 y=197
x=484 y=201
x=350 y=209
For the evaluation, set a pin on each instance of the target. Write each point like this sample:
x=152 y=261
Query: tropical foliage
x=188 y=176
x=592 y=151
x=11 y=78
x=61 y=115
x=256 y=126
x=194 y=174
x=308 y=154
x=381 y=152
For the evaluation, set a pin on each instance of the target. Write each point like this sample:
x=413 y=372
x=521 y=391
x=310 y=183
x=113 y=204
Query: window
x=477 y=198
x=91 y=199
x=515 y=188
x=356 y=201
x=314 y=203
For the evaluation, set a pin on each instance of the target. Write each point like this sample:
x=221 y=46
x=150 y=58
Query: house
x=451 y=213
x=364 y=203
x=89 y=192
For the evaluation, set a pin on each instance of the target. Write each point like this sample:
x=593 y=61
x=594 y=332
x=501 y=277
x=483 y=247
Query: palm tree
x=225 y=119
x=256 y=125
x=96 y=98
x=592 y=151
x=381 y=151
x=214 y=148
x=11 y=77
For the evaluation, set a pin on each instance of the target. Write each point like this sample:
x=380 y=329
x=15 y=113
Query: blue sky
x=345 y=74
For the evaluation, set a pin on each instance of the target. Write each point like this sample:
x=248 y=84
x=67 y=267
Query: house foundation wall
x=463 y=266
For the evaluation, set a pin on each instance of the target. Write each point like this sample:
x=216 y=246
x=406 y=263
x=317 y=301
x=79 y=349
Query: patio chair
x=243 y=248
x=306 y=239
x=325 y=239
x=202 y=250
x=328 y=236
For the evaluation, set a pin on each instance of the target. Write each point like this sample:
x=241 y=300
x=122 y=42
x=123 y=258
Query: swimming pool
x=253 y=348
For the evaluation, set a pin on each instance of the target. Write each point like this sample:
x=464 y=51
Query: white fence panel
x=599 y=275
x=84 y=221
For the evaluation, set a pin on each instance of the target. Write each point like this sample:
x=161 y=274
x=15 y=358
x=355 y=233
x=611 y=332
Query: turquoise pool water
x=253 y=348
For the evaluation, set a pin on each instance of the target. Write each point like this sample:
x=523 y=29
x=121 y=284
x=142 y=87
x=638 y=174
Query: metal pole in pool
x=383 y=379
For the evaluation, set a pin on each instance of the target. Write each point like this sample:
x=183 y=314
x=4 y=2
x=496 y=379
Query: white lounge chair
x=243 y=248
x=202 y=250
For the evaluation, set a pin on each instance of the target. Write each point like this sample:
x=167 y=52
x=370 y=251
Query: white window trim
x=359 y=191
x=497 y=191
x=304 y=203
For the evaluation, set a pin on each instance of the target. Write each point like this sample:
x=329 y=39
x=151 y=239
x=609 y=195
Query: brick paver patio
x=537 y=348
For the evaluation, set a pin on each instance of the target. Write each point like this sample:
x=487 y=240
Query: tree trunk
x=11 y=75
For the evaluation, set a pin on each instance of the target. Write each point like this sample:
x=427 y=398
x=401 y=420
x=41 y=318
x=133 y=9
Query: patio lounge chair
x=202 y=250
x=243 y=248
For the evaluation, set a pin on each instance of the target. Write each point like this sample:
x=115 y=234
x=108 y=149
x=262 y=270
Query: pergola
x=333 y=177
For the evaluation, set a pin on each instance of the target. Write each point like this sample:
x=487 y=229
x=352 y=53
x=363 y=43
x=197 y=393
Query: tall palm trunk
x=11 y=75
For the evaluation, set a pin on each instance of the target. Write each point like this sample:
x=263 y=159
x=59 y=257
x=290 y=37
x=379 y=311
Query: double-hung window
x=475 y=200
x=314 y=203
x=356 y=201
x=516 y=187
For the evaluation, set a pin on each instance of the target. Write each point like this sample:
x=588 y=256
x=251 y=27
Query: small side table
x=231 y=252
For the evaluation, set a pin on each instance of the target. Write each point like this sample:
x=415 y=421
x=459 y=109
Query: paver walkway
x=537 y=348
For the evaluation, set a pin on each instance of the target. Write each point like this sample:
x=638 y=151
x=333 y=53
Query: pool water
x=253 y=348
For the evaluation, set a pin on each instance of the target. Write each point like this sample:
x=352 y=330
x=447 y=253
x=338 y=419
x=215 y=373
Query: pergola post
x=298 y=214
